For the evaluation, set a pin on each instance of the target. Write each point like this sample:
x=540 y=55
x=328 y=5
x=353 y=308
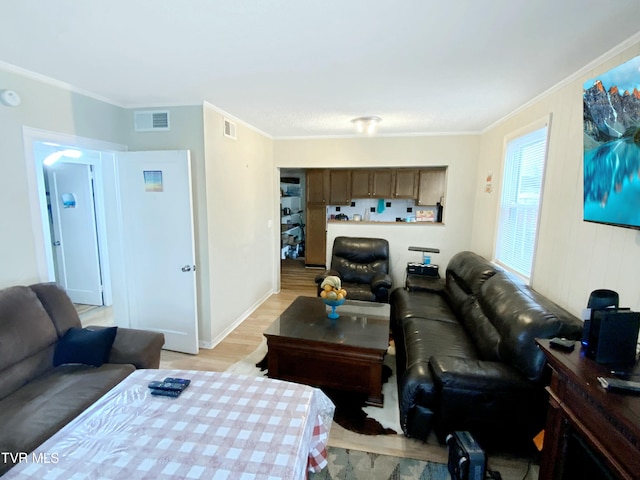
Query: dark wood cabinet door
x=316 y=235
x=406 y=182
x=317 y=186
x=382 y=183
x=339 y=187
x=360 y=183
x=431 y=184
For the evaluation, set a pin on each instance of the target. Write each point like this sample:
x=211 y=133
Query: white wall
x=573 y=257
x=457 y=152
x=242 y=219
x=45 y=107
x=233 y=192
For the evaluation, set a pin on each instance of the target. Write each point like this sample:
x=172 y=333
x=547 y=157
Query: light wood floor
x=248 y=336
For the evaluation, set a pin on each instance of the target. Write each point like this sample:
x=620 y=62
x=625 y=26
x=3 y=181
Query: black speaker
x=613 y=336
x=601 y=298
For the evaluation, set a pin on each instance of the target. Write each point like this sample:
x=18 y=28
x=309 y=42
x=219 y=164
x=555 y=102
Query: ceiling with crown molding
x=302 y=68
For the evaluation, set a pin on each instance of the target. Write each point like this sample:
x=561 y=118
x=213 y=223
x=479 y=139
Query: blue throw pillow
x=90 y=347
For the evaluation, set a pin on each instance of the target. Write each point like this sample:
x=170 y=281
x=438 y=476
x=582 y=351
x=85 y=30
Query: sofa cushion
x=429 y=305
x=424 y=338
x=480 y=329
x=26 y=338
x=58 y=305
x=471 y=271
x=90 y=347
x=520 y=316
x=40 y=408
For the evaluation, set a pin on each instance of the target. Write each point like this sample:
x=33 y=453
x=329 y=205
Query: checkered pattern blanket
x=221 y=427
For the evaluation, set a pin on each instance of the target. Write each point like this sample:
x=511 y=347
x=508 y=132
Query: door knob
x=186 y=268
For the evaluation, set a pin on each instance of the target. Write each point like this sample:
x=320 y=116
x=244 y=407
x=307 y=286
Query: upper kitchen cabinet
x=382 y=183
x=406 y=183
x=360 y=183
x=340 y=187
x=431 y=185
x=317 y=186
x=367 y=183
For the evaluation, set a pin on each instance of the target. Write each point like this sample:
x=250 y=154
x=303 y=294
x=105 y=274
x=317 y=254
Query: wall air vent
x=151 y=120
x=229 y=129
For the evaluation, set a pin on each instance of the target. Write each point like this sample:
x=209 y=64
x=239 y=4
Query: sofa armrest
x=140 y=348
x=381 y=280
x=491 y=399
x=476 y=375
x=380 y=286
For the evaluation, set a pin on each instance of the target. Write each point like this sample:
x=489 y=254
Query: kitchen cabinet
x=361 y=183
x=317 y=187
x=367 y=183
x=340 y=187
x=382 y=183
x=405 y=183
x=431 y=185
x=316 y=236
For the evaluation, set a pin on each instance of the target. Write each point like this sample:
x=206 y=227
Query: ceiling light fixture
x=55 y=156
x=366 y=125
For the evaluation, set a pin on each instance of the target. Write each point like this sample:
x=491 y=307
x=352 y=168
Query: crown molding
x=617 y=50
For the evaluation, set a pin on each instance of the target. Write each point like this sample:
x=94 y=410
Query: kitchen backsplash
x=374 y=210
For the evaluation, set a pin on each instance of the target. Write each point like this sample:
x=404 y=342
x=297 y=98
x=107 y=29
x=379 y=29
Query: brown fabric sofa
x=36 y=398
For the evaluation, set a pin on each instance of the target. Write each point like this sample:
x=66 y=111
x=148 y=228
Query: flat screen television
x=611 y=113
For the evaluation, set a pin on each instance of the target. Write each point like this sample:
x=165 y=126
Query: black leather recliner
x=363 y=266
x=466 y=357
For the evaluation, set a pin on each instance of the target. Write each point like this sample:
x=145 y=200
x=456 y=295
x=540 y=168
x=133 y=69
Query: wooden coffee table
x=305 y=346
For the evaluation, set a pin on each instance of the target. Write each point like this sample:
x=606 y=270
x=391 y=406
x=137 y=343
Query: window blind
x=520 y=201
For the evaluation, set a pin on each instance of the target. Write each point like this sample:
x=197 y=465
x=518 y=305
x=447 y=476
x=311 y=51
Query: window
x=520 y=201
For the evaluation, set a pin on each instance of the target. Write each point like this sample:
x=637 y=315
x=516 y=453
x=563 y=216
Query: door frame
x=105 y=193
x=94 y=165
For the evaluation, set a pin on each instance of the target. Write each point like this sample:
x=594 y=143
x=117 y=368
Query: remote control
x=165 y=393
x=176 y=387
x=562 y=344
x=179 y=381
x=618 y=385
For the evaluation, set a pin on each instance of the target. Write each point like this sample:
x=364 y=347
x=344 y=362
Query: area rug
x=350 y=410
x=346 y=464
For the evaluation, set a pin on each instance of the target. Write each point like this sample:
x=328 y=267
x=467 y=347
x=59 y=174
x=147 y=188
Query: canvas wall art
x=611 y=112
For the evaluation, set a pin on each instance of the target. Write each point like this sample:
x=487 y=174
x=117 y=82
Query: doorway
x=163 y=178
x=98 y=156
x=92 y=156
x=69 y=178
x=293 y=273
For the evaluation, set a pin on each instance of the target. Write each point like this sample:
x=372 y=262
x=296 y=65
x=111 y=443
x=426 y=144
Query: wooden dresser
x=589 y=430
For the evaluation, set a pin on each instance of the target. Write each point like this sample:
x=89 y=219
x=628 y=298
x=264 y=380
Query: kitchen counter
x=361 y=222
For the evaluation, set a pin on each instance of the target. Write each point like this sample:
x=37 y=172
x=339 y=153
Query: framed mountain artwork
x=611 y=112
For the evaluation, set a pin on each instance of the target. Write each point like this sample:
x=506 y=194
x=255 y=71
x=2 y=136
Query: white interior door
x=75 y=237
x=158 y=245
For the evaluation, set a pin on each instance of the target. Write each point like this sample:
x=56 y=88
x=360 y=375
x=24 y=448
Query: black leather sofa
x=362 y=264
x=466 y=354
